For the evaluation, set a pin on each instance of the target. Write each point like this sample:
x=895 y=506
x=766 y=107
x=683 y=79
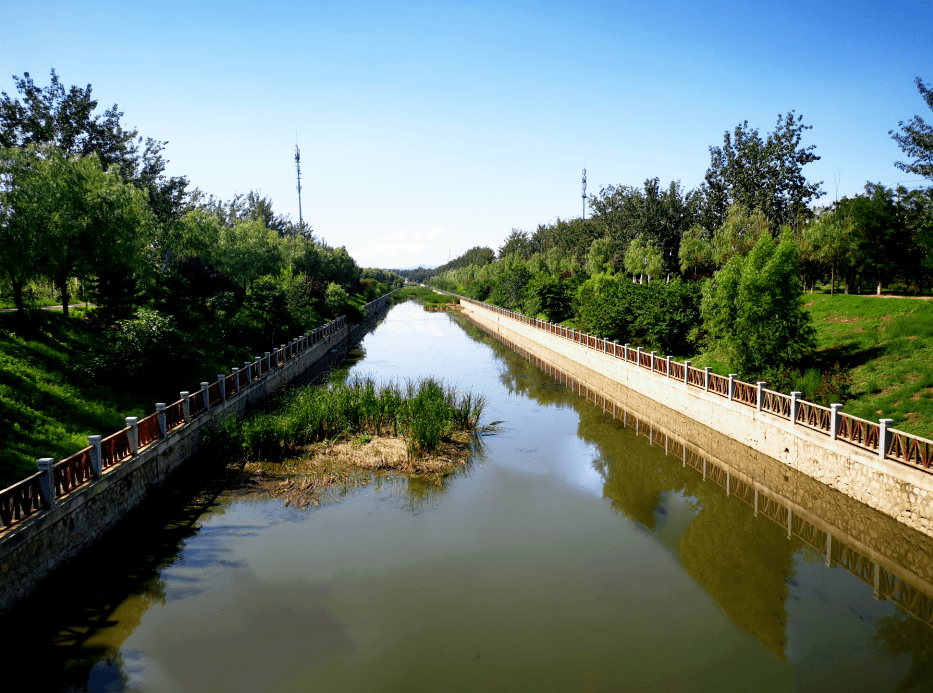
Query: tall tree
x=73 y=218
x=752 y=308
x=66 y=119
x=762 y=174
x=916 y=138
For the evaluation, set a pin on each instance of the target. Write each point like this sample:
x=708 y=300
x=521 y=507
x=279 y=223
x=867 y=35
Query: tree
x=916 y=138
x=827 y=241
x=738 y=234
x=752 y=308
x=766 y=175
x=70 y=217
x=878 y=241
x=696 y=252
x=65 y=119
x=643 y=257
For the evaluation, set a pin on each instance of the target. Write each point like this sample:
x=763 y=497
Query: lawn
x=887 y=345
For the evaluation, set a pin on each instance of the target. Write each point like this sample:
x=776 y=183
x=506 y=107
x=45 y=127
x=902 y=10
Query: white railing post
x=259 y=368
x=732 y=377
x=160 y=416
x=206 y=396
x=884 y=436
x=795 y=398
x=47 y=480
x=183 y=396
x=654 y=356
x=222 y=384
x=96 y=462
x=247 y=366
x=761 y=393
x=834 y=419
x=686 y=372
x=708 y=372
x=639 y=352
x=625 y=348
x=133 y=433
x=667 y=372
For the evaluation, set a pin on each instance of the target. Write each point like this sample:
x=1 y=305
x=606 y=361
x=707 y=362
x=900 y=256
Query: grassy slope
x=888 y=345
x=49 y=404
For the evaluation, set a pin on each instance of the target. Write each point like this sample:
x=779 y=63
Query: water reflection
x=590 y=545
x=747 y=567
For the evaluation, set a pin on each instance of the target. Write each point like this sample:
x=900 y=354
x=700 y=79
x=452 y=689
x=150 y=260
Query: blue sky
x=429 y=128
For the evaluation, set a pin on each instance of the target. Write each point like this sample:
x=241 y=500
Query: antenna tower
x=298 y=170
x=584 y=194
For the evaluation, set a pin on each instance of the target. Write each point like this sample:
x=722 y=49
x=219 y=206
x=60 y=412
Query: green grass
x=887 y=346
x=51 y=399
x=423 y=412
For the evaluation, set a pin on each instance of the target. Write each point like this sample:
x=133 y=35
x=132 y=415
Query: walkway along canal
x=590 y=546
x=871 y=462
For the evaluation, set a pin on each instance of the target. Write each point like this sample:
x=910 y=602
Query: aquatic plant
x=423 y=412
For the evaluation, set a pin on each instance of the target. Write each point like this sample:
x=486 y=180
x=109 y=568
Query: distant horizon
x=427 y=129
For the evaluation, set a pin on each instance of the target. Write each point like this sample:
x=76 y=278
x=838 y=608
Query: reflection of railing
x=29 y=496
x=886 y=582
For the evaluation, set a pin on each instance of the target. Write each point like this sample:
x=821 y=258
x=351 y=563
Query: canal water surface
x=572 y=555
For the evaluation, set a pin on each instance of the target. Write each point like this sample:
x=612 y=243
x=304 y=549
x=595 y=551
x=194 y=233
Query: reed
x=424 y=412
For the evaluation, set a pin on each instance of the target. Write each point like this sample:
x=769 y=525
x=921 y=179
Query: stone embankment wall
x=827 y=520
x=895 y=489
x=34 y=548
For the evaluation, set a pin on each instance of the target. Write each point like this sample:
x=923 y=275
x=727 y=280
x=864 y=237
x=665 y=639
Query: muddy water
x=573 y=555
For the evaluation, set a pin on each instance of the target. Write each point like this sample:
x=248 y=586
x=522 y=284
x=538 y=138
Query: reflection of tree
x=902 y=634
x=743 y=565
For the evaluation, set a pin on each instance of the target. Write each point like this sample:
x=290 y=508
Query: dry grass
x=331 y=468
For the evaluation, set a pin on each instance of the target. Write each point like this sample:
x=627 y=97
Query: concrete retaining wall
x=897 y=490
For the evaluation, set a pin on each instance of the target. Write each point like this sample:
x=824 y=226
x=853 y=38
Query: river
x=572 y=555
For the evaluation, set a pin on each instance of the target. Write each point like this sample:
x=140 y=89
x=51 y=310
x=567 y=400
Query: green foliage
x=695 y=252
x=643 y=258
x=68 y=218
x=336 y=300
x=765 y=175
x=916 y=138
x=138 y=347
x=549 y=297
x=738 y=234
x=424 y=412
x=752 y=308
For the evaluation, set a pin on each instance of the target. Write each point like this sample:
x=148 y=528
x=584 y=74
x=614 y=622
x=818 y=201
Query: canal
x=581 y=550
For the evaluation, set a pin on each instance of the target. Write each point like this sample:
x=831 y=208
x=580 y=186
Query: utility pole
x=298 y=170
x=584 y=194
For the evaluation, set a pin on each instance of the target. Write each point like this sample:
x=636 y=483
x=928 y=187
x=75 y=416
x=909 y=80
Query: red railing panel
x=677 y=370
x=814 y=416
x=71 y=472
x=213 y=394
x=115 y=448
x=696 y=377
x=148 y=430
x=910 y=449
x=776 y=403
x=174 y=415
x=858 y=431
x=745 y=393
x=230 y=385
x=196 y=403
x=21 y=500
x=719 y=385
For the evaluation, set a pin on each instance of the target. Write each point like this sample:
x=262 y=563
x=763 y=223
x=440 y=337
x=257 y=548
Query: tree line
x=721 y=267
x=86 y=206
